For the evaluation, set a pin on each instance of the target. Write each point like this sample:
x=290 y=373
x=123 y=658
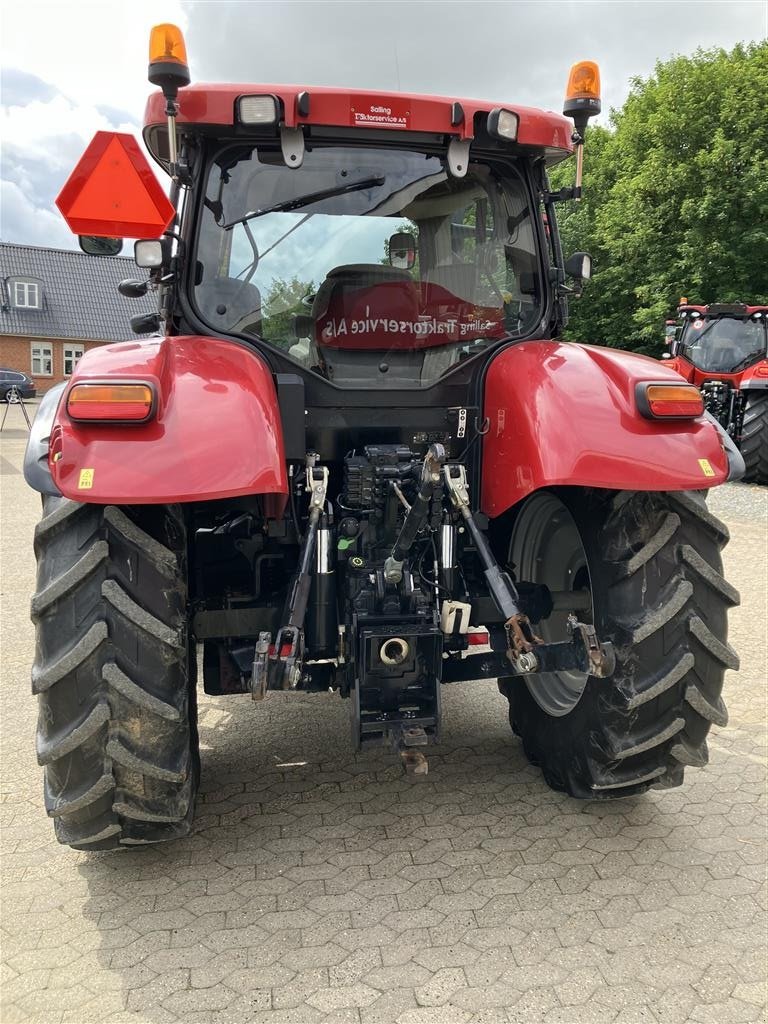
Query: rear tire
x=754 y=438
x=659 y=596
x=114 y=672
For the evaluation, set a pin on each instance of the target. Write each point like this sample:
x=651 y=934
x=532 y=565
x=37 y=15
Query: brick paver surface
x=321 y=885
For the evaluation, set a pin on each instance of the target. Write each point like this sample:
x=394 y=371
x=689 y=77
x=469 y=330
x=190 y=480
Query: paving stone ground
x=321 y=885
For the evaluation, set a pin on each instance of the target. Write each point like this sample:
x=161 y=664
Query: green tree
x=676 y=198
x=285 y=300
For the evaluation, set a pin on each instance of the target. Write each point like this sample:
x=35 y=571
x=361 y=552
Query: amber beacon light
x=168 y=68
x=582 y=97
x=582 y=101
x=167 y=57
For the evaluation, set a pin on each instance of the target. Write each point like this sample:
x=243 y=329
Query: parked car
x=25 y=386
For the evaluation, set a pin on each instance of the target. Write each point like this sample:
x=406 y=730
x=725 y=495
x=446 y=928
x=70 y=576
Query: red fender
x=566 y=414
x=755 y=377
x=216 y=432
x=681 y=366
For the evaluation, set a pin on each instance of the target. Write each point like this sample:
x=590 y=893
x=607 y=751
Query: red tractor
x=723 y=350
x=354 y=456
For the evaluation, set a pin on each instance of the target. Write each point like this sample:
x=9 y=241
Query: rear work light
x=257 y=110
x=111 y=403
x=669 y=401
x=503 y=124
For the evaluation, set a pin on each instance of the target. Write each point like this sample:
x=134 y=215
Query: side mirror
x=402 y=250
x=96 y=246
x=579 y=266
x=132 y=289
x=145 y=323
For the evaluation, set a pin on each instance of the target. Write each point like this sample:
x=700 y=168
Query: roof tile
x=80 y=296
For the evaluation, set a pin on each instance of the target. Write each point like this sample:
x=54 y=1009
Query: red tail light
x=669 y=401
x=111 y=402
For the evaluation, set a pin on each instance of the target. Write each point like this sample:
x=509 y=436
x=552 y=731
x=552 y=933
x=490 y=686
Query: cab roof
x=212 y=105
x=717 y=309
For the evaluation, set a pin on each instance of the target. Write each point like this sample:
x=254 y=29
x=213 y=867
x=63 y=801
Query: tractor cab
x=368 y=266
x=722 y=338
x=722 y=348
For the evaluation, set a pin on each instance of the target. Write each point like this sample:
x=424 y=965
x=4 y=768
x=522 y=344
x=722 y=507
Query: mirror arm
x=561 y=196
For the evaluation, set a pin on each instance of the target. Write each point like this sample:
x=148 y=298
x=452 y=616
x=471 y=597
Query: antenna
x=397 y=67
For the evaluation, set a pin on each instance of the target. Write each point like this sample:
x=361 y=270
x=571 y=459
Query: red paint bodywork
x=214 y=104
x=565 y=414
x=742 y=380
x=216 y=433
x=704 y=310
x=755 y=376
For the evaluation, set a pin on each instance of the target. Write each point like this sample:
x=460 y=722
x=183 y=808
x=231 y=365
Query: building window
x=72 y=353
x=42 y=359
x=26 y=294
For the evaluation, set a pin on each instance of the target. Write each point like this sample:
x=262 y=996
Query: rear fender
x=565 y=414
x=216 y=432
x=37 y=472
x=755 y=377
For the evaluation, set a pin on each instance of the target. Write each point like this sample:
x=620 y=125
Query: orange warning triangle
x=113 y=192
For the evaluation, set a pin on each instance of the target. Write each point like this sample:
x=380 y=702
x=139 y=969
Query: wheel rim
x=546 y=547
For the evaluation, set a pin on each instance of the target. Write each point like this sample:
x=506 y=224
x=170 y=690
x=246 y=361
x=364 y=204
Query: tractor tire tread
x=138 y=616
x=58 y=518
x=664 y=607
x=61 y=585
x=754 y=439
x=46 y=677
x=114 y=674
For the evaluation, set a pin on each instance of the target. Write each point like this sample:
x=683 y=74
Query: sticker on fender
x=706 y=468
x=85 y=483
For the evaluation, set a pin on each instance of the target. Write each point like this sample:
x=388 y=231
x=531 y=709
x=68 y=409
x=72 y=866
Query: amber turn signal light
x=111 y=403
x=669 y=401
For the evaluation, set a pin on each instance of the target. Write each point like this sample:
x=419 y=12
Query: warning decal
x=706 y=468
x=85 y=483
x=387 y=112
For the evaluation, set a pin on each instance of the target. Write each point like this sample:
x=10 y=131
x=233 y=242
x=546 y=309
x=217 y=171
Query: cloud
x=44 y=141
x=511 y=52
x=114 y=115
x=23 y=221
x=83 y=66
x=20 y=88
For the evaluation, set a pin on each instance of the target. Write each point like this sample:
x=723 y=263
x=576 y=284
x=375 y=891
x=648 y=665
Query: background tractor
x=723 y=350
x=356 y=457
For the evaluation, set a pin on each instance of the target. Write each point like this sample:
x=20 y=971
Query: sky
x=72 y=68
